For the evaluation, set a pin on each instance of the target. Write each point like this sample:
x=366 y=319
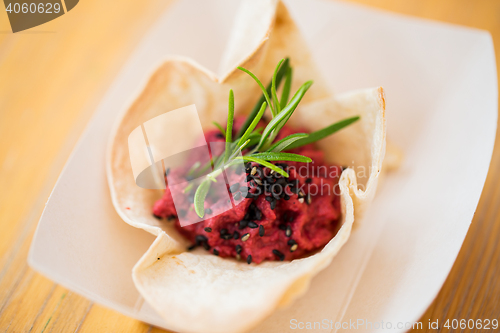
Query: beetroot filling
x=302 y=220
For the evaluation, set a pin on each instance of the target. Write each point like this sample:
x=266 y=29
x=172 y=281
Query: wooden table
x=51 y=80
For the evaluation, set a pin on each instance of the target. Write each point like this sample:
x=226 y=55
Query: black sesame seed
x=216 y=252
x=244 y=189
x=157 y=216
x=290 y=219
x=237 y=196
x=309 y=180
x=269 y=198
x=236 y=235
x=235 y=187
x=219 y=135
x=282 y=182
x=223 y=231
x=288 y=231
x=206 y=246
x=278 y=254
x=273 y=204
x=192 y=247
x=207 y=229
x=208 y=211
x=200 y=239
x=239 y=248
x=282 y=227
x=253 y=225
x=242 y=224
x=257 y=214
x=249 y=259
x=261 y=230
x=271 y=180
x=291 y=242
x=286 y=197
x=226 y=236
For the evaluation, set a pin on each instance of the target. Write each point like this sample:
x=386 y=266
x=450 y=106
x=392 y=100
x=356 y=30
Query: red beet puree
x=302 y=218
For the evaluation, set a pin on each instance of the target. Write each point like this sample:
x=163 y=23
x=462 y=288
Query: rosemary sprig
x=282 y=71
x=323 y=133
x=199 y=197
x=272 y=156
x=286 y=142
x=286 y=88
x=221 y=129
x=284 y=114
x=229 y=129
x=252 y=126
x=277 y=106
x=265 y=149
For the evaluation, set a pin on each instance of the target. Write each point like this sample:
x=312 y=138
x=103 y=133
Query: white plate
x=441 y=90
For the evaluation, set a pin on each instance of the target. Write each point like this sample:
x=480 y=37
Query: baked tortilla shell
x=199 y=292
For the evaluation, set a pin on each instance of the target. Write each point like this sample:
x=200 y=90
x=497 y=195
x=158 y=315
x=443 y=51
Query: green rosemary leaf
x=244 y=145
x=286 y=88
x=238 y=150
x=285 y=113
x=285 y=142
x=199 y=197
x=254 y=139
x=229 y=130
x=276 y=101
x=323 y=133
x=264 y=163
x=253 y=124
x=256 y=108
x=264 y=91
x=272 y=156
x=221 y=129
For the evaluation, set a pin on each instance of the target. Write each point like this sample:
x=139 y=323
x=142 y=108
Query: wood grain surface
x=51 y=80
